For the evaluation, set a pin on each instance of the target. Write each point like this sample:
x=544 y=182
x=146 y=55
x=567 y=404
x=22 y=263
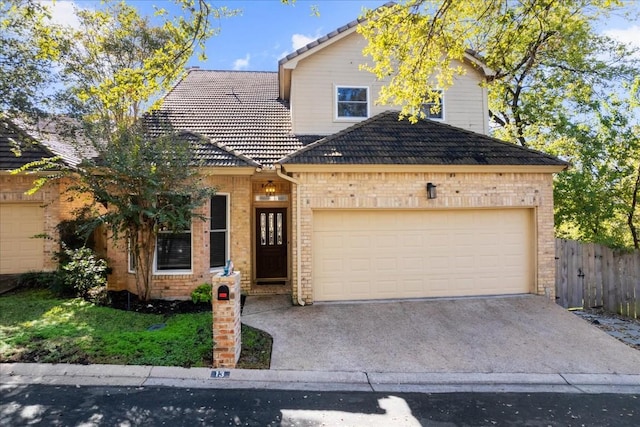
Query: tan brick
x=379 y=190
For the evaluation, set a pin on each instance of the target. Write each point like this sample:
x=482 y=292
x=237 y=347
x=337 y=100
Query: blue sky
x=267 y=29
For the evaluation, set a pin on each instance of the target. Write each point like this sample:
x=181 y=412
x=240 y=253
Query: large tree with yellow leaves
x=557 y=84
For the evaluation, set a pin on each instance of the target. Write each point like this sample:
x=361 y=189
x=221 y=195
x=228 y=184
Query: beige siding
x=314 y=81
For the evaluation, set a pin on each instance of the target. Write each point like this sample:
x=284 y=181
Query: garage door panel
x=20 y=251
x=411 y=264
x=413 y=287
x=361 y=264
x=392 y=254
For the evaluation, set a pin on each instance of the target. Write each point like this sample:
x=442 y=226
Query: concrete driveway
x=520 y=334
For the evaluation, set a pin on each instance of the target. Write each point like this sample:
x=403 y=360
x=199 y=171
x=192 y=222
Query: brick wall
x=180 y=286
x=407 y=191
x=227 y=338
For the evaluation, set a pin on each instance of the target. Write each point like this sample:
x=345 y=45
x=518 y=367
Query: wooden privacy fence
x=590 y=275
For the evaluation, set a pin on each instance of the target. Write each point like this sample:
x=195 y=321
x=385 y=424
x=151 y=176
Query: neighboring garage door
x=382 y=254
x=19 y=251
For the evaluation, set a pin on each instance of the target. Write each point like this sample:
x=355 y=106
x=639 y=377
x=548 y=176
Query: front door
x=271 y=244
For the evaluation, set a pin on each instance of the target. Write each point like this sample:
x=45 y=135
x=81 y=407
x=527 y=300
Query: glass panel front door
x=271 y=243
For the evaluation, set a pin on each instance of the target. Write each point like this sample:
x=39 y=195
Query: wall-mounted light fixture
x=431 y=191
x=269 y=188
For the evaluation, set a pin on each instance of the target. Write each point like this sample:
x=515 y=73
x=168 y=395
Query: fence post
x=608 y=293
x=562 y=287
x=576 y=276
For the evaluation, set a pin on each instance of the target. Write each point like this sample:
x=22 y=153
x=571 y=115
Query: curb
x=164 y=376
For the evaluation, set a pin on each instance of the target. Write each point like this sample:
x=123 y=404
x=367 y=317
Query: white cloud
x=629 y=36
x=242 y=63
x=63 y=12
x=301 y=40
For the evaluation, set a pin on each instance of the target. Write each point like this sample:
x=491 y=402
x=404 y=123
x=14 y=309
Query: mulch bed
x=124 y=300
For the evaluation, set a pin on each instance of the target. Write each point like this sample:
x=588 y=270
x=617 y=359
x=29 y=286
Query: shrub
x=84 y=271
x=51 y=280
x=202 y=293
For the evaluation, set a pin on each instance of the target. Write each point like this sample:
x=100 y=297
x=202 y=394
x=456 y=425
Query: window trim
x=350 y=118
x=228 y=231
x=130 y=268
x=155 y=271
x=442 y=108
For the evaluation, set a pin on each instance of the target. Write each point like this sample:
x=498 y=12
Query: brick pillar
x=226 y=322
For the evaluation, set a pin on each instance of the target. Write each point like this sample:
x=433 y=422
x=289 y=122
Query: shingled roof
x=239 y=111
x=207 y=152
x=386 y=140
x=19 y=147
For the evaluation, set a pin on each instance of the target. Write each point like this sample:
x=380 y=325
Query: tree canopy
x=112 y=69
x=555 y=84
x=27 y=50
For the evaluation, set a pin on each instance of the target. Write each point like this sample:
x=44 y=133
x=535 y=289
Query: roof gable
x=211 y=153
x=19 y=148
x=290 y=61
x=386 y=140
x=238 y=111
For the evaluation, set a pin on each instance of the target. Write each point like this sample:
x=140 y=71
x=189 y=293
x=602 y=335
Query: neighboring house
x=322 y=194
x=23 y=216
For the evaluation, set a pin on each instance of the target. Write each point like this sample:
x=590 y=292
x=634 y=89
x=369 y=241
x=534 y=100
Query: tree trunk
x=144 y=250
x=632 y=211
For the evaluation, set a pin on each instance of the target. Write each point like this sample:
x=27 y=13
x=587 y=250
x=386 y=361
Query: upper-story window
x=352 y=102
x=433 y=110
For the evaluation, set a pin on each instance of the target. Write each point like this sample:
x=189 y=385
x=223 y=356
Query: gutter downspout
x=298 y=229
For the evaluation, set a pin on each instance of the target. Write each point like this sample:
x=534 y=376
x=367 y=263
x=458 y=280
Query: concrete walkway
x=524 y=334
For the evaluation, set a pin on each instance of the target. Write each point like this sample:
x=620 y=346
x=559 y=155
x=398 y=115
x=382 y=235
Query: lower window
x=173 y=251
x=219 y=231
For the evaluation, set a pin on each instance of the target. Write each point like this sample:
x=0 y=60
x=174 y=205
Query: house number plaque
x=220 y=374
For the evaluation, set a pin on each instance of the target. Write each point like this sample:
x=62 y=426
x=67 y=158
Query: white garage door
x=376 y=254
x=19 y=251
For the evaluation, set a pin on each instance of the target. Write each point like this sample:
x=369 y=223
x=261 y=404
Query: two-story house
x=324 y=195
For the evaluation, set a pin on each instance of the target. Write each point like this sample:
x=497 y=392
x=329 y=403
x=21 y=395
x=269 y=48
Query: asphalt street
x=49 y=405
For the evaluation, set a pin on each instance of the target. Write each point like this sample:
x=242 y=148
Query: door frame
x=283 y=188
x=261 y=280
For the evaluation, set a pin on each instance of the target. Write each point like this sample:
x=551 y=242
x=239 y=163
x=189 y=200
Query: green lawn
x=35 y=326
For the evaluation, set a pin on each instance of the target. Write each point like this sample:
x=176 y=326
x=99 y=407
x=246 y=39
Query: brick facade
x=460 y=190
x=180 y=286
x=319 y=190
